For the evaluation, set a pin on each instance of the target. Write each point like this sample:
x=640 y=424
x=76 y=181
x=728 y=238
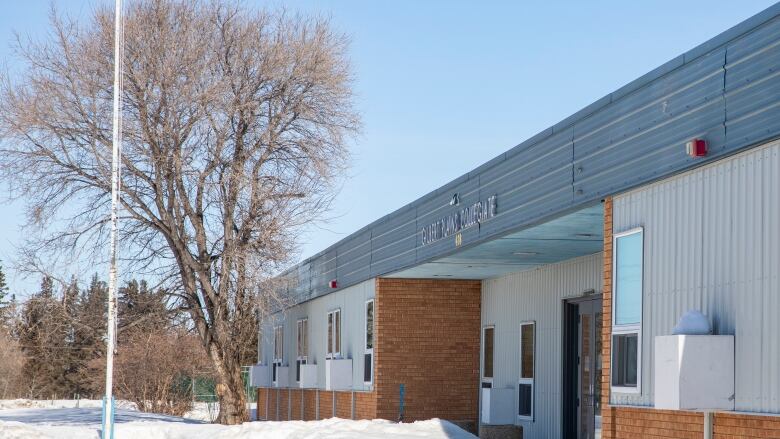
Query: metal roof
x=726 y=90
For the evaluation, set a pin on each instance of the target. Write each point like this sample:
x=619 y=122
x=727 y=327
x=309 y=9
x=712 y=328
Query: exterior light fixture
x=333 y=284
x=455 y=200
x=696 y=148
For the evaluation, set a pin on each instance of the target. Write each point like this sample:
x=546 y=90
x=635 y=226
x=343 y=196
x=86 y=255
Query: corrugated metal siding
x=351 y=301
x=536 y=295
x=726 y=90
x=712 y=242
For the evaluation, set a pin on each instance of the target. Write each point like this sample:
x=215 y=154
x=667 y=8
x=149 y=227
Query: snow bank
x=61 y=420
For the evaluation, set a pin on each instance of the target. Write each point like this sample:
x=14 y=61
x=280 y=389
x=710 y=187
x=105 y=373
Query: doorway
x=582 y=368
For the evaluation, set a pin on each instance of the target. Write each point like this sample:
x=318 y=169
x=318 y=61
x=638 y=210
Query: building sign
x=460 y=220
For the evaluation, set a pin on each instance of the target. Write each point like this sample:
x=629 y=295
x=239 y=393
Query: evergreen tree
x=4 y=302
x=141 y=309
x=47 y=287
x=90 y=333
x=70 y=297
x=43 y=331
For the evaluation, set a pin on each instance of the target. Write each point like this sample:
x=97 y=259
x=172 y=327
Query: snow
x=693 y=323
x=61 y=419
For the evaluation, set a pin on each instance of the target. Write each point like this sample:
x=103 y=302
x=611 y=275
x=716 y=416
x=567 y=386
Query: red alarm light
x=333 y=284
x=696 y=148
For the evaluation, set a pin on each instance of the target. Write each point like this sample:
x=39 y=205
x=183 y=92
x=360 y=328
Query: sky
x=444 y=86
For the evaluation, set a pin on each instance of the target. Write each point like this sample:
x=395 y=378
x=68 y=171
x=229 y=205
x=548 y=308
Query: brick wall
x=309 y=405
x=427 y=337
x=365 y=405
x=630 y=423
x=296 y=404
x=734 y=426
x=302 y=404
x=344 y=405
x=326 y=404
x=262 y=398
x=607 y=412
x=284 y=408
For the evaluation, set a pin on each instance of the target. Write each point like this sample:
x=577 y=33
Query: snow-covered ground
x=25 y=419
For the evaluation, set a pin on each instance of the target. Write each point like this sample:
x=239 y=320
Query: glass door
x=589 y=370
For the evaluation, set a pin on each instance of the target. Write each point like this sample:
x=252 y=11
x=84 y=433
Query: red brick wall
x=607 y=413
x=262 y=395
x=427 y=337
x=344 y=405
x=365 y=405
x=326 y=404
x=733 y=426
x=631 y=423
x=295 y=404
x=283 y=405
x=309 y=405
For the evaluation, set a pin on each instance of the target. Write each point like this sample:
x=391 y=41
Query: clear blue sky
x=444 y=86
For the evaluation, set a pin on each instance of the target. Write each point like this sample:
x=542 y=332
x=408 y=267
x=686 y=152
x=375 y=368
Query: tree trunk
x=231 y=393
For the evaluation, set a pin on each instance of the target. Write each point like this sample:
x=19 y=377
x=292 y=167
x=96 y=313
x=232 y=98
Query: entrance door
x=582 y=368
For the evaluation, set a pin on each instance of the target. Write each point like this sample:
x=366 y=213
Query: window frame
x=366 y=349
x=527 y=381
x=483 y=378
x=631 y=328
x=330 y=349
x=276 y=362
x=301 y=335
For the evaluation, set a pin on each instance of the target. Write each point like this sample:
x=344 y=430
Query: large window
x=303 y=347
x=525 y=384
x=334 y=334
x=278 y=349
x=628 y=248
x=488 y=341
x=368 y=356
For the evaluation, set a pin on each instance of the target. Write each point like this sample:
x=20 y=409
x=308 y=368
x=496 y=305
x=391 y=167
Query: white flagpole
x=108 y=415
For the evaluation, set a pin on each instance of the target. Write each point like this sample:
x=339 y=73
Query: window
x=627 y=277
x=303 y=347
x=334 y=334
x=368 y=356
x=278 y=349
x=260 y=348
x=488 y=338
x=525 y=384
x=624 y=359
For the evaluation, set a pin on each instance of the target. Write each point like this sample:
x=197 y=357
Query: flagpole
x=108 y=404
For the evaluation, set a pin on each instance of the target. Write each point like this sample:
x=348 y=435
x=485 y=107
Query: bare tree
x=12 y=382
x=236 y=125
x=164 y=388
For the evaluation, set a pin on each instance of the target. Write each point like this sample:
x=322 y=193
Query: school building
x=539 y=293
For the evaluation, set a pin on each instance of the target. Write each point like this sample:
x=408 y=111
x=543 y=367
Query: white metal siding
x=536 y=295
x=712 y=242
x=351 y=301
